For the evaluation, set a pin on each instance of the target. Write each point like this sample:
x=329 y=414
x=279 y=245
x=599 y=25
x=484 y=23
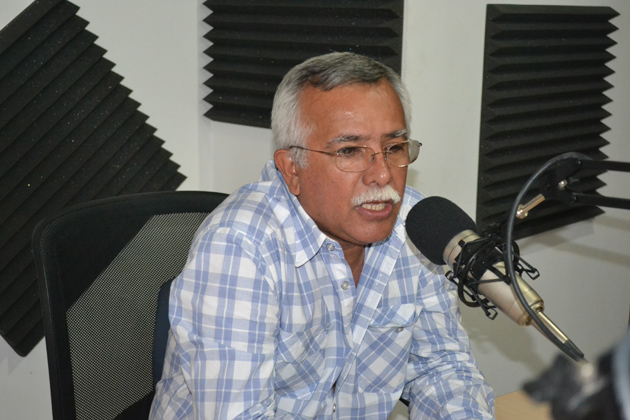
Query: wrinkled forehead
x=359 y=113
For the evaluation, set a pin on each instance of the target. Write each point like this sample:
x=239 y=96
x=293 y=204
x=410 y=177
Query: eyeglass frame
x=385 y=153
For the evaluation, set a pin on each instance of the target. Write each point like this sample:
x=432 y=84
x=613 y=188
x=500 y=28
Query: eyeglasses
x=360 y=158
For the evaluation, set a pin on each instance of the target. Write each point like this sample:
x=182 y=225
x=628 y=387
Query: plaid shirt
x=267 y=323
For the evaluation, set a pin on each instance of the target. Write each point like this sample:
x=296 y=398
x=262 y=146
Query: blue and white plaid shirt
x=267 y=323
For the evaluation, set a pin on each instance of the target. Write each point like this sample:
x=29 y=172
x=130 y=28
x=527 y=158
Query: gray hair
x=324 y=72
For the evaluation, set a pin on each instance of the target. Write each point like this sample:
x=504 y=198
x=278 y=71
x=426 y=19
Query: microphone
x=445 y=234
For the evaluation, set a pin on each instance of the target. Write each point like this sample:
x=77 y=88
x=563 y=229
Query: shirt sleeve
x=444 y=381
x=224 y=323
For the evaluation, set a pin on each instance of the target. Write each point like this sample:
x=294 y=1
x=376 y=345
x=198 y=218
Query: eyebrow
x=346 y=139
x=354 y=138
x=396 y=134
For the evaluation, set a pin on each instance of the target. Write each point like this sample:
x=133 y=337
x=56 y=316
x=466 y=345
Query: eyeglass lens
x=360 y=158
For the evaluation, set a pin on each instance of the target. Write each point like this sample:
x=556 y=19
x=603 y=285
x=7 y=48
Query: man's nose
x=379 y=171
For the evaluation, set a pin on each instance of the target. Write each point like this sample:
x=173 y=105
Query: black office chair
x=100 y=267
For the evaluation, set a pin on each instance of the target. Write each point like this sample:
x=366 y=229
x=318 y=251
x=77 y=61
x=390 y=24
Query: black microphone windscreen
x=433 y=222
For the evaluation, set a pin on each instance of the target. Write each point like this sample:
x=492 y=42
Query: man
x=302 y=297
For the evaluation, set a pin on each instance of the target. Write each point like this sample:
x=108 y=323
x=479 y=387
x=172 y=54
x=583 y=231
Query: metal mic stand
x=582 y=392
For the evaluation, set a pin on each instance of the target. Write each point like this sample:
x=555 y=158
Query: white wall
x=584 y=267
x=157 y=46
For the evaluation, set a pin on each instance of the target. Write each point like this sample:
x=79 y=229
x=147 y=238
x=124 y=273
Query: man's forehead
x=358 y=113
x=309 y=89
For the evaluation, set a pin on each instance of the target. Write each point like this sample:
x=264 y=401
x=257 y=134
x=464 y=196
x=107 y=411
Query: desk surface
x=518 y=406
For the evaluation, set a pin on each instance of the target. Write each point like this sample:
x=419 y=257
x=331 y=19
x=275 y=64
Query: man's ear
x=289 y=170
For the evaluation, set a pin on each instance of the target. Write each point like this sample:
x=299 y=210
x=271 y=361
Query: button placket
x=345 y=285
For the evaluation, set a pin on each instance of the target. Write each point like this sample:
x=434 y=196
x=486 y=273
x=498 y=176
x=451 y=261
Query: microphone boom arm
x=555 y=184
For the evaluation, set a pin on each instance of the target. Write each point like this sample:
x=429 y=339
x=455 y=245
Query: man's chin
x=378 y=236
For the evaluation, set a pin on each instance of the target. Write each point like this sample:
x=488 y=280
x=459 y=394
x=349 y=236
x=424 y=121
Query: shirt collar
x=308 y=238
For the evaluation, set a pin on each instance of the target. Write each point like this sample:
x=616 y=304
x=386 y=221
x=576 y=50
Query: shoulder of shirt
x=255 y=211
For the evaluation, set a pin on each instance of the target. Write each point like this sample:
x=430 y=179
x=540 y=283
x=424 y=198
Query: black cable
x=574 y=353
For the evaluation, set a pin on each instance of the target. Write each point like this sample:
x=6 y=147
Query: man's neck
x=355 y=257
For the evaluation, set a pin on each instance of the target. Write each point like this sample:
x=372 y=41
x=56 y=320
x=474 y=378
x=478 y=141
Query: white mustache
x=386 y=193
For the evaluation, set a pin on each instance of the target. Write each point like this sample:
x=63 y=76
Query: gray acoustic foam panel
x=254 y=44
x=543 y=95
x=69 y=133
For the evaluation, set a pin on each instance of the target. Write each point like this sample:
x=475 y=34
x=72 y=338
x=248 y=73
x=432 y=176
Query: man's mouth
x=374 y=206
x=377 y=199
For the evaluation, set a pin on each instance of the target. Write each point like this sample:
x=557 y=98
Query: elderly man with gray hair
x=303 y=298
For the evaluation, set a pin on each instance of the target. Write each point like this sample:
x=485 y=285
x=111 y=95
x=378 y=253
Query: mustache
x=386 y=193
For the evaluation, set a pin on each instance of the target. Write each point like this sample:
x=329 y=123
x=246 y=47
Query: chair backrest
x=100 y=267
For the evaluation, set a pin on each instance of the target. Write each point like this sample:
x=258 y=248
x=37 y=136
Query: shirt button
x=334 y=407
x=330 y=247
x=345 y=285
x=399 y=329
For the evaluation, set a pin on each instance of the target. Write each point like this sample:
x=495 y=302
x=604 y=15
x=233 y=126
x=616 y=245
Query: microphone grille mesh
x=433 y=222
